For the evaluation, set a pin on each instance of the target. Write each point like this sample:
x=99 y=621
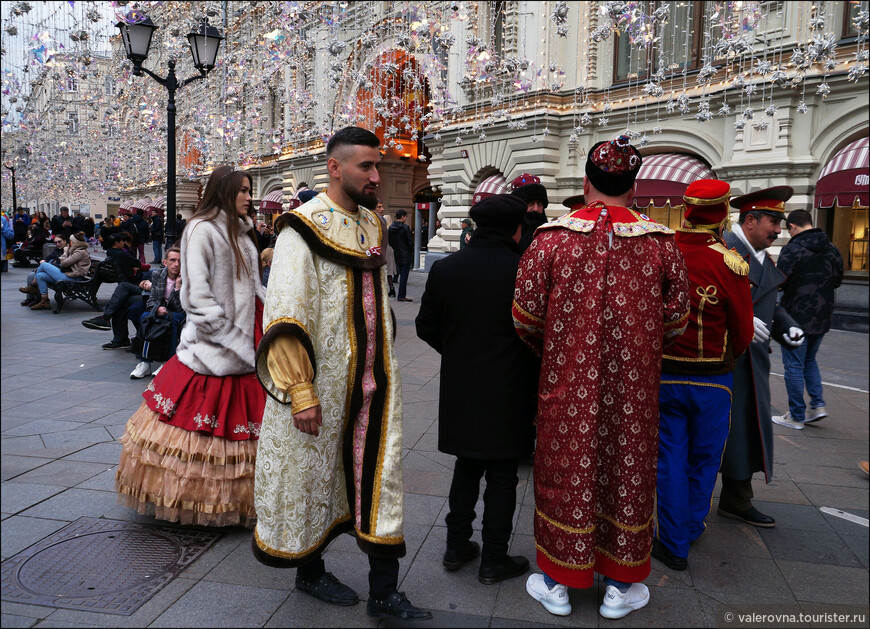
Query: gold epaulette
x=731 y=258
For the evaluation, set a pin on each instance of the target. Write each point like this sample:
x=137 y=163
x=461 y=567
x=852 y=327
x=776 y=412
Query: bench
x=32 y=256
x=85 y=289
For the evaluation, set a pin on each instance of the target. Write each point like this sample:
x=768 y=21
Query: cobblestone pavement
x=65 y=402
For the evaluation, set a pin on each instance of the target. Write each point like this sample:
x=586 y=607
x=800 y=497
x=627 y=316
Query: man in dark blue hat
x=465 y=315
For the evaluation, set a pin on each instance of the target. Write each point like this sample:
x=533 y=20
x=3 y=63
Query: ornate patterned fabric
x=310 y=489
x=597 y=303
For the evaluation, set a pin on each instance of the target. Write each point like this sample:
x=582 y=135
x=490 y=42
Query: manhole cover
x=101 y=565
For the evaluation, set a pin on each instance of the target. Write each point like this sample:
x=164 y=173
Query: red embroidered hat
x=529 y=188
x=612 y=167
x=707 y=202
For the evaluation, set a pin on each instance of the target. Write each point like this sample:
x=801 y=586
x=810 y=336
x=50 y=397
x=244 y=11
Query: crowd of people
x=632 y=359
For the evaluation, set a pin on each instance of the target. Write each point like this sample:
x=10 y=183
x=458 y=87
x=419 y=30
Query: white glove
x=762 y=333
x=794 y=337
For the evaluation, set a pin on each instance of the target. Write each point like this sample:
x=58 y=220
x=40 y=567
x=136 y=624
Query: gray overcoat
x=750 y=441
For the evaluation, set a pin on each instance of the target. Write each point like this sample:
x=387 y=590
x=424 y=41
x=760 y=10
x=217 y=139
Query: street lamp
x=11 y=166
x=204 y=43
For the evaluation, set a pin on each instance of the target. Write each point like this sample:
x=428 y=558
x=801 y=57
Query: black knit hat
x=503 y=212
x=529 y=188
x=612 y=166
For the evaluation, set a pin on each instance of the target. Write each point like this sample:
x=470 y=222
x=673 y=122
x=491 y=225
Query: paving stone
x=73 y=504
x=845 y=498
x=13 y=465
x=9 y=620
x=739 y=580
x=232 y=538
x=63 y=473
x=826 y=584
x=723 y=536
x=17 y=496
x=423 y=509
x=107 y=452
x=20 y=532
x=426 y=462
x=817 y=547
x=142 y=617
x=80 y=437
x=101 y=482
x=241 y=567
x=210 y=604
x=302 y=610
x=29 y=611
x=42 y=427
x=50 y=622
x=853 y=534
x=512 y=601
x=789 y=516
x=429 y=483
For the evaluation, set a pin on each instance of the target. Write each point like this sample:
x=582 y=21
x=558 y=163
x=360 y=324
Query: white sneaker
x=815 y=413
x=617 y=605
x=554 y=601
x=157 y=371
x=142 y=369
x=787 y=421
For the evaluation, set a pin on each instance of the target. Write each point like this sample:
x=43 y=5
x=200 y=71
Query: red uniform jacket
x=720 y=322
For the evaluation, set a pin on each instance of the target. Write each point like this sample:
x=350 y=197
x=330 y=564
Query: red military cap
x=707 y=202
x=575 y=202
x=770 y=201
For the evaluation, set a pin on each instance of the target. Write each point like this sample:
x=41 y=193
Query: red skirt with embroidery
x=230 y=407
x=189 y=452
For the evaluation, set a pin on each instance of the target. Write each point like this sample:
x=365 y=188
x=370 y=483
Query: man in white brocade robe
x=329 y=456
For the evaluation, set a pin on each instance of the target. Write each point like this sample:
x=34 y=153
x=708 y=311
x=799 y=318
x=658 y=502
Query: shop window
x=853 y=8
x=668 y=216
x=848 y=229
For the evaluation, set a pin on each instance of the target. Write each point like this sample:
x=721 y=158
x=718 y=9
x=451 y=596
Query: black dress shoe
x=396 y=605
x=329 y=590
x=405 y=299
x=453 y=559
x=751 y=516
x=507 y=568
x=660 y=552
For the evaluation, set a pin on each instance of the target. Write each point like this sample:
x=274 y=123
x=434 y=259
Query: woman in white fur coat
x=189 y=450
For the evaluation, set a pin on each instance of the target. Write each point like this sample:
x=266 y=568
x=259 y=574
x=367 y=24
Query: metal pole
x=14 y=194
x=171 y=85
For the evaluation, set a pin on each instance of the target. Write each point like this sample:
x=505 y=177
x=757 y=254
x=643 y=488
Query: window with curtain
x=852 y=9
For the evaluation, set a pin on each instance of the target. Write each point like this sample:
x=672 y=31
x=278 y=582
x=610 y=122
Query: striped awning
x=663 y=179
x=142 y=204
x=272 y=203
x=492 y=185
x=125 y=208
x=845 y=180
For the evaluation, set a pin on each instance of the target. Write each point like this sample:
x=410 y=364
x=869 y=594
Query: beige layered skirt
x=185 y=476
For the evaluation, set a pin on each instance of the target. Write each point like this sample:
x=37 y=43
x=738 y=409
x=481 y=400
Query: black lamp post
x=14 y=194
x=204 y=44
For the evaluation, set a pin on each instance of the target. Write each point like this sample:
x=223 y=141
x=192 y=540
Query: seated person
x=74 y=264
x=127 y=303
x=36 y=236
x=165 y=301
x=129 y=265
x=30 y=288
x=266 y=257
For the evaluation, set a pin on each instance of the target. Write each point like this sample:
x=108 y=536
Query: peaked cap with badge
x=770 y=201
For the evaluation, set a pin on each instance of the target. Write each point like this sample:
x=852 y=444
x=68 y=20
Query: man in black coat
x=142 y=233
x=465 y=315
x=400 y=239
x=530 y=189
x=814 y=269
x=62 y=224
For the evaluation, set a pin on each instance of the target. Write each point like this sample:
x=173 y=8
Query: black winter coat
x=814 y=269
x=489 y=378
x=401 y=241
x=531 y=222
x=157 y=229
x=142 y=231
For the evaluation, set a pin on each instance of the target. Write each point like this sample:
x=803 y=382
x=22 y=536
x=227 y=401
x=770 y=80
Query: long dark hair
x=220 y=198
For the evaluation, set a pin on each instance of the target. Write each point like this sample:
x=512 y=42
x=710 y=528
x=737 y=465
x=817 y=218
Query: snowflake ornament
x=725 y=109
x=857 y=72
x=823 y=89
x=602 y=122
x=653 y=90
x=802 y=108
x=771 y=111
x=748 y=113
x=739 y=124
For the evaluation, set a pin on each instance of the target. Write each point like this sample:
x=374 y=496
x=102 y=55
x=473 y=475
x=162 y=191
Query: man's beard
x=361 y=198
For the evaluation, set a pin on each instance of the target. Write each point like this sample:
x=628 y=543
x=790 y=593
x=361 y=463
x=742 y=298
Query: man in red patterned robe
x=598 y=293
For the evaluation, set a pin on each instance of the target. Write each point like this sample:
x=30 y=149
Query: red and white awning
x=492 y=185
x=157 y=206
x=125 y=208
x=845 y=179
x=142 y=204
x=663 y=179
x=272 y=203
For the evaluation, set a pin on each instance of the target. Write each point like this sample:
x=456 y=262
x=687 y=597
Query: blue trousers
x=48 y=275
x=694 y=418
x=800 y=367
x=157 y=246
